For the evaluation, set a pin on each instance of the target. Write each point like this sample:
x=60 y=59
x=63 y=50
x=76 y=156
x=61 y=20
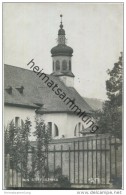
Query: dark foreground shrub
x=64 y=181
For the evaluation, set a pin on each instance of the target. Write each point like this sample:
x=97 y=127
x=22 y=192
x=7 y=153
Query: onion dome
x=61 y=49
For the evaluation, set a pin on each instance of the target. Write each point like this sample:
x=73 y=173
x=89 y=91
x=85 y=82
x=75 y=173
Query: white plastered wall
x=65 y=122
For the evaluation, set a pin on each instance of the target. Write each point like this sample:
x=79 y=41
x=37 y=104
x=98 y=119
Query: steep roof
x=36 y=93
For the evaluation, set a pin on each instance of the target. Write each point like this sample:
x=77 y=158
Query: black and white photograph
x=63 y=96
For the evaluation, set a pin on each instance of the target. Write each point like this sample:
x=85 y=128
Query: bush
x=63 y=180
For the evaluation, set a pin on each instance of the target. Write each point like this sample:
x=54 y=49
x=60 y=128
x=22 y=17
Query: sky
x=93 y=30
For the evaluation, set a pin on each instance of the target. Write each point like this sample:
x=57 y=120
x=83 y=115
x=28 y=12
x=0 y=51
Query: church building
x=28 y=94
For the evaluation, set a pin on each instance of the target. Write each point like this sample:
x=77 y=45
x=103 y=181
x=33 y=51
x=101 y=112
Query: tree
x=110 y=118
x=17 y=145
x=12 y=143
x=25 y=146
x=43 y=137
x=114 y=84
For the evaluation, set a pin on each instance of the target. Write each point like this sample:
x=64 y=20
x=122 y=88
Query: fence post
x=78 y=161
x=54 y=161
x=74 y=161
x=21 y=173
x=7 y=170
x=115 y=158
x=69 y=164
x=83 y=162
x=87 y=162
x=110 y=158
x=61 y=159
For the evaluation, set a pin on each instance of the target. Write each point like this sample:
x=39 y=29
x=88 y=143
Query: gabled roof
x=36 y=93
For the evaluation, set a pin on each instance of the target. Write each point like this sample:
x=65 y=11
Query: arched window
x=69 y=65
x=75 y=131
x=54 y=132
x=57 y=65
x=50 y=127
x=78 y=129
x=64 y=65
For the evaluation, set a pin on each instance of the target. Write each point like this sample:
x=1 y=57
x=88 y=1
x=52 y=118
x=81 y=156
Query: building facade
x=29 y=93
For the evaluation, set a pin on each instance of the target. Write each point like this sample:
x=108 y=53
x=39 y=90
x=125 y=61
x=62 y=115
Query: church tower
x=61 y=59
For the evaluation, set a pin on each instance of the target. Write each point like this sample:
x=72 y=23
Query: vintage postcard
x=63 y=89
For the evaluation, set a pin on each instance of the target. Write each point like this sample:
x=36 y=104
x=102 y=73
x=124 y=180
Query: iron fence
x=87 y=163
